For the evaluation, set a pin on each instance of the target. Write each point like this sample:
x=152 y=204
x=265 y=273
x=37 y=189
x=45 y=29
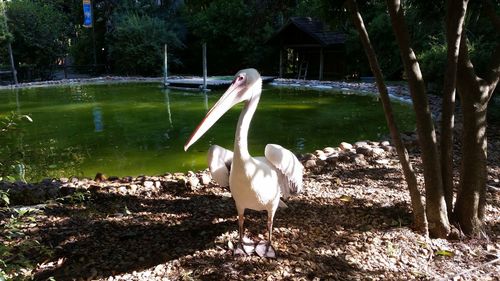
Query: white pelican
x=255 y=182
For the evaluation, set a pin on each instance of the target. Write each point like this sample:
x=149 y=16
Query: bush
x=40 y=32
x=136 y=44
x=433 y=65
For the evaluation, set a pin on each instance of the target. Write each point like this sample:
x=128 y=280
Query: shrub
x=136 y=44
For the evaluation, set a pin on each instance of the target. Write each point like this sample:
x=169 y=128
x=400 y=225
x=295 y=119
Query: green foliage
x=5 y=35
x=4 y=198
x=136 y=44
x=433 y=64
x=235 y=33
x=40 y=31
x=12 y=152
x=78 y=197
x=16 y=262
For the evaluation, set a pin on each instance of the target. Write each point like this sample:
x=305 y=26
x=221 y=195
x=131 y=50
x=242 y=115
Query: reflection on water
x=132 y=129
x=97 y=113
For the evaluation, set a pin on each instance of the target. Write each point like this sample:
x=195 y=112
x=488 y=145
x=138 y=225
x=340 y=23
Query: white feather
x=219 y=163
x=289 y=167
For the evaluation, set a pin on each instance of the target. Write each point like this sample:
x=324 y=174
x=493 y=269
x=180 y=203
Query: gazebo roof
x=306 y=32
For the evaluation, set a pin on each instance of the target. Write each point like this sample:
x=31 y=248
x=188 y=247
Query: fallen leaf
x=444 y=253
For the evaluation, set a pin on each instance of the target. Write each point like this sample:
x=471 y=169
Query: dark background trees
x=235 y=33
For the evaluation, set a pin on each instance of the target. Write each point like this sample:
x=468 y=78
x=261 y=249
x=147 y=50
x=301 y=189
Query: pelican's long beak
x=228 y=100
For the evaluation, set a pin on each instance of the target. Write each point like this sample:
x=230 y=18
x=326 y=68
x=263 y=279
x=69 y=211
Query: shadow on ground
x=111 y=234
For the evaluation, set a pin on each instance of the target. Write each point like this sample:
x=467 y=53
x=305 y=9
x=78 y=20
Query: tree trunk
x=475 y=94
x=436 y=205
x=455 y=14
x=420 y=221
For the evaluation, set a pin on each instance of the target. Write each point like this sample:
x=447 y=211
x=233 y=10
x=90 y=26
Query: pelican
x=256 y=183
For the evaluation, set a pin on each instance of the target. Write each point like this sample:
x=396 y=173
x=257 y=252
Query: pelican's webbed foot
x=265 y=249
x=245 y=248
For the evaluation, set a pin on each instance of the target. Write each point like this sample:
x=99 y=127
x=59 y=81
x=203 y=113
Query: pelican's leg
x=266 y=249
x=244 y=247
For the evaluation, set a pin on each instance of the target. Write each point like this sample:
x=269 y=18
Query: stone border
x=95 y=80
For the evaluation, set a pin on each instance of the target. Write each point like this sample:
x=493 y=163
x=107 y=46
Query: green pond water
x=133 y=129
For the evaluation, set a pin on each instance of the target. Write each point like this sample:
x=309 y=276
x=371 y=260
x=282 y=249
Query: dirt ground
x=351 y=222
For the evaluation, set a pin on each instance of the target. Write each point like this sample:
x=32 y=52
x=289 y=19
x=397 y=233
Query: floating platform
x=197 y=83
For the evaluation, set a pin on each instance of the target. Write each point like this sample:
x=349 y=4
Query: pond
x=140 y=128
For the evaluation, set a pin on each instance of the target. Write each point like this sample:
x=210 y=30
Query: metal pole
x=12 y=66
x=165 y=67
x=204 y=66
x=281 y=62
x=321 y=61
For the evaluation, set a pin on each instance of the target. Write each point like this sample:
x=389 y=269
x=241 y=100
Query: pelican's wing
x=219 y=163
x=289 y=167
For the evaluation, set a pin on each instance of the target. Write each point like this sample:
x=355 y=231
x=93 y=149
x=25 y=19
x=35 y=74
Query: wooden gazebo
x=308 y=49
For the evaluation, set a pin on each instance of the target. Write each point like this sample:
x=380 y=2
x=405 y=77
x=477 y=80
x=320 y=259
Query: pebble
x=345 y=146
x=205 y=179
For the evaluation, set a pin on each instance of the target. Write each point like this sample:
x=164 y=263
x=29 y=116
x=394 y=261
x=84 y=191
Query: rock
x=387 y=148
x=320 y=154
x=364 y=150
x=320 y=162
x=345 y=146
x=332 y=160
x=359 y=159
x=385 y=143
x=157 y=185
x=361 y=144
x=329 y=150
x=127 y=179
x=344 y=157
x=205 y=178
x=94 y=188
x=148 y=184
x=64 y=180
x=310 y=164
x=133 y=188
x=122 y=190
x=46 y=181
x=377 y=151
x=192 y=180
x=309 y=156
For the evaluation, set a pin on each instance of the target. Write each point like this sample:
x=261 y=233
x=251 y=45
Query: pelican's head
x=246 y=84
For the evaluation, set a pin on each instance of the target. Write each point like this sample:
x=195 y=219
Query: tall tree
x=420 y=220
x=436 y=211
x=455 y=15
x=475 y=92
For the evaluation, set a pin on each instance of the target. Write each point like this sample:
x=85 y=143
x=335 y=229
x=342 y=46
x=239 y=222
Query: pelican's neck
x=241 y=137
